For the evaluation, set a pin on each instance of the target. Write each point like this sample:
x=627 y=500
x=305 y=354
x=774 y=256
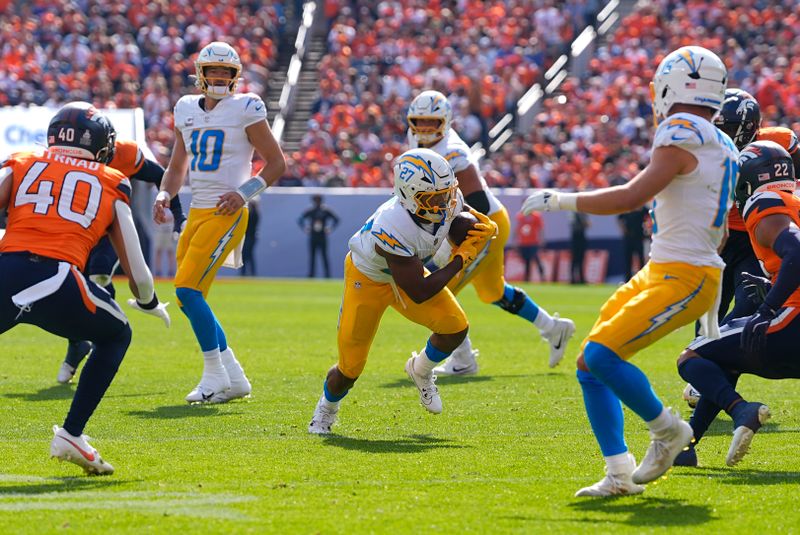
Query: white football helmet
x=429 y=105
x=217 y=54
x=689 y=75
x=425 y=185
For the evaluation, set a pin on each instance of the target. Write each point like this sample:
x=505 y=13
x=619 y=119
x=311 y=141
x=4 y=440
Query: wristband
x=252 y=188
x=568 y=201
x=151 y=305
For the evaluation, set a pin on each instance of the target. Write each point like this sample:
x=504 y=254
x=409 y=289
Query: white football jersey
x=220 y=155
x=689 y=214
x=458 y=154
x=392 y=229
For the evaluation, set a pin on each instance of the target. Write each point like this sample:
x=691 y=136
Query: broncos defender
x=385 y=267
x=215 y=134
x=127 y=158
x=691 y=175
x=429 y=117
x=765 y=343
x=60 y=203
x=740 y=118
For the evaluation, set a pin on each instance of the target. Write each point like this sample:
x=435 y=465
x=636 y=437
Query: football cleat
x=746 y=426
x=211 y=388
x=426 y=384
x=687 y=457
x=614 y=484
x=558 y=338
x=323 y=419
x=663 y=449
x=65 y=373
x=77 y=450
x=240 y=386
x=691 y=396
x=459 y=364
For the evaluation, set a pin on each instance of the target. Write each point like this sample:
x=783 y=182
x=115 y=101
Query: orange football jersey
x=60 y=206
x=757 y=208
x=128 y=157
x=783 y=137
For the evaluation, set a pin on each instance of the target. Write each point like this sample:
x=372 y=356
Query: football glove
x=468 y=251
x=756 y=288
x=177 y=229
x=754 y=333
x=549 y=200
x=485 y=229
x=153 y=308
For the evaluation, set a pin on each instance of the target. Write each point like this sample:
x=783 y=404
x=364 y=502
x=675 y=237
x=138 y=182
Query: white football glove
x=160 y=311
x=543 y=200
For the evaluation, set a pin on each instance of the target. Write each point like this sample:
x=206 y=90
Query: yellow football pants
x=659 y=299
x=363 y=305
x=204 y=244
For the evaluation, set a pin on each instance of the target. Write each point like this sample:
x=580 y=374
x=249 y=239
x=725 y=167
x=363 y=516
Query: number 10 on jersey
x=203 y=157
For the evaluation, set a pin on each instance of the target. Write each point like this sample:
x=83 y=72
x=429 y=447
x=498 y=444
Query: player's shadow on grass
x=57 y=484
x=644 y=511
x=724 y=427
x=452 y=380
x=409 y=444
x=743 y=476
x=50 y=393
x=172 y=412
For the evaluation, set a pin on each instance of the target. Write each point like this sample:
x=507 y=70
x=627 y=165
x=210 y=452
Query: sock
x=222 y=340
x=463 y=351
x=661 y=423
x=605 y=415
x=710 y=380
x=703 y=414
x=627 y=381
x=97 y=375
x=212 y=362
x=428 y=358
x=77 y=350
x=204 y=325
x=618 y=464
x=331 y=401
x=231 y=365
x=736 y=411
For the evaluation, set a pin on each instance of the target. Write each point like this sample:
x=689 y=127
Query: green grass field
x=507 y=454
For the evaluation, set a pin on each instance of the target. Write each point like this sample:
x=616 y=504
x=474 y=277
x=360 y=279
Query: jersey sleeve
x=458 y=158
x=128 y=157
x=784 y=137
x=762 y=205
x=681 y=130
x=254 y=110
x=388 y=237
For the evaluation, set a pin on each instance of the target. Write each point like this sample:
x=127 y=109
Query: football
x=462 y=223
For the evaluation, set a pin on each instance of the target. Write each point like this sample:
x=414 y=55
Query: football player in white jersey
x=215 y=134
x=691 y=175
x=385 y=267
x=429 y=117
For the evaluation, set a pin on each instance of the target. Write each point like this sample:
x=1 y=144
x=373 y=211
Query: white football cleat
x=426 y=384
x=663 y=449
x=614 y=484
x=691 y=396
x=65 y=373
x=558 y=338
x=210 y=389
x=323 y=419
x=240 y=386
x=461 y=364
x=744 y=433
x=77 y=450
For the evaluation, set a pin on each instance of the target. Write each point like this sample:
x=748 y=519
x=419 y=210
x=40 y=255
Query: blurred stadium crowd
x=483 y=54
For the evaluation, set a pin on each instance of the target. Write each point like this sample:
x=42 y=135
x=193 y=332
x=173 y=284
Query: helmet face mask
x=429 y=117
x=221 y=56
x=763 y=166
x=80 y=130
x=690 y=75
x=740 y=117
x=425 y=185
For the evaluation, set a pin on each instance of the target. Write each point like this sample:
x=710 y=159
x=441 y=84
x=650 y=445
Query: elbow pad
x=478 y=200
x=140 y=273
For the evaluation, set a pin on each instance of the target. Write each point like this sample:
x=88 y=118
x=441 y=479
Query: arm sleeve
x=140 y=273
x=478 y=200
x=150 y=172
x=787 y=246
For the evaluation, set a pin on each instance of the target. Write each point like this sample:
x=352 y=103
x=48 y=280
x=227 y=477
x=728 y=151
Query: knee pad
x=515 y=304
